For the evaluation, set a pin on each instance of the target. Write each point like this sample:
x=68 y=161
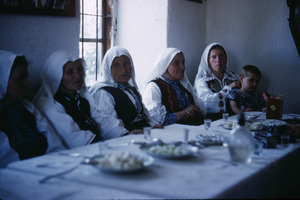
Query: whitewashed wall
x=257 y=32
x=141 y=28
x=187 y=31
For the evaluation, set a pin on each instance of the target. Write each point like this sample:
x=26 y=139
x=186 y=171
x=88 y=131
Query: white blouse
x=106 y=103
x=210 y=98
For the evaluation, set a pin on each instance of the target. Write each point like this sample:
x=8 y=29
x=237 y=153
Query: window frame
x=104 y=38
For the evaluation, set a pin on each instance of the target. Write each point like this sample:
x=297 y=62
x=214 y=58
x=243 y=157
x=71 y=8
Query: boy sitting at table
x=247 y=96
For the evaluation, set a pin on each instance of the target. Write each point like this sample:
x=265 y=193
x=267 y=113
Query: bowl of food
x=175 y=150
x=120 y=162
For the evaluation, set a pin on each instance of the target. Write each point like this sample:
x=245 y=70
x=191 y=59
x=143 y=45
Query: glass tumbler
x=207 y=124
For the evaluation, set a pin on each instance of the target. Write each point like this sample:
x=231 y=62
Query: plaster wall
x=141 y=28
x=187 y=31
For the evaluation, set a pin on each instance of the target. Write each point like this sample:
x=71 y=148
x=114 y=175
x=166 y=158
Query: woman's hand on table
x=249 y=110
x=188 y=112
x=158 y=126
x=136 y=131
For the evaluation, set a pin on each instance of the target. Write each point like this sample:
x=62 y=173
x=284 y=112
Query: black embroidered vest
x=125 y=109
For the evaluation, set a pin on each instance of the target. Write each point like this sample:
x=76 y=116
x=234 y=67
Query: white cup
x=207 y=123
x=147 y=133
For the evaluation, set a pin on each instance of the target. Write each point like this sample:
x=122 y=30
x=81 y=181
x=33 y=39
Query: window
x=95 y=40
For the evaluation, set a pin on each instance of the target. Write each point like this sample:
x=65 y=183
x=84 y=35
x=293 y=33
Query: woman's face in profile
x=18 y=84
x=121 y=69
x=176 y=68
x=72 y=79
x=217 y=60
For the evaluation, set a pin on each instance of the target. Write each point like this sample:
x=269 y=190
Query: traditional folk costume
x=163 y=97
x=209 y=88
x=75 y=118
x=24 y=132
x=122 y=102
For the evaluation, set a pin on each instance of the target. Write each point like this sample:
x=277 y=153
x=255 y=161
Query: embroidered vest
x=169 y=100
x=79 y=109
x=125 y=109
x=169 y=97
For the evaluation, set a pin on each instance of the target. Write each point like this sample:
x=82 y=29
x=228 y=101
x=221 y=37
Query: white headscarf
x=52 y=73
x=161 y=64
x=204 y=67
x=7 y=59
x=106 y=78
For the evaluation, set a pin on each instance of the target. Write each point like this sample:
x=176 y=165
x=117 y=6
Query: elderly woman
x=168 y=94
x=67 y=104
x=214 y=81
x=117 y=93
x=24 y=133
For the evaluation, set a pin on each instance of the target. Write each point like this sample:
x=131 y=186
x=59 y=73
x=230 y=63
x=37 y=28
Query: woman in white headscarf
x=214 y=81
x=168 y=95
x=116 y=93
x=24 y=133
x=67 y=104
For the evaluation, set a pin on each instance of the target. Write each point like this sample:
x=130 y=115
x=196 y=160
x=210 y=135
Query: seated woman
x=67 y=104
x=117 y=93
x=24 y=133
x=168 y=94
x=214 y=81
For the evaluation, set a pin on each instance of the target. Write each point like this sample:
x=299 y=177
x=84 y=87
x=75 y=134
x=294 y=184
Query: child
x=247 y=95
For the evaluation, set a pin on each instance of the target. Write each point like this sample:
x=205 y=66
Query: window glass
x=91 y=43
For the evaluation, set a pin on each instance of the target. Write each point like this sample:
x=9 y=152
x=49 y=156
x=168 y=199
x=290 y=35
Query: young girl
x=247 y=96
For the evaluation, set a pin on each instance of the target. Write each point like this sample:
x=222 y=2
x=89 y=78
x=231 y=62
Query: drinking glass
x=186 y=135
x=285 y=140
x=264 y=111
x=258 y=147
x=147 y=133
x=207 y=123
x=225 y=117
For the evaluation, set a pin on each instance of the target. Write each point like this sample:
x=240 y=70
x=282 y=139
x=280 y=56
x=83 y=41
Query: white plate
x=146 y=162
x=251 y=126
x=168 y=151
x=212 y=140
x=268 y=122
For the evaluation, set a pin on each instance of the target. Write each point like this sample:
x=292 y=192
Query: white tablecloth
x=210 y=174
